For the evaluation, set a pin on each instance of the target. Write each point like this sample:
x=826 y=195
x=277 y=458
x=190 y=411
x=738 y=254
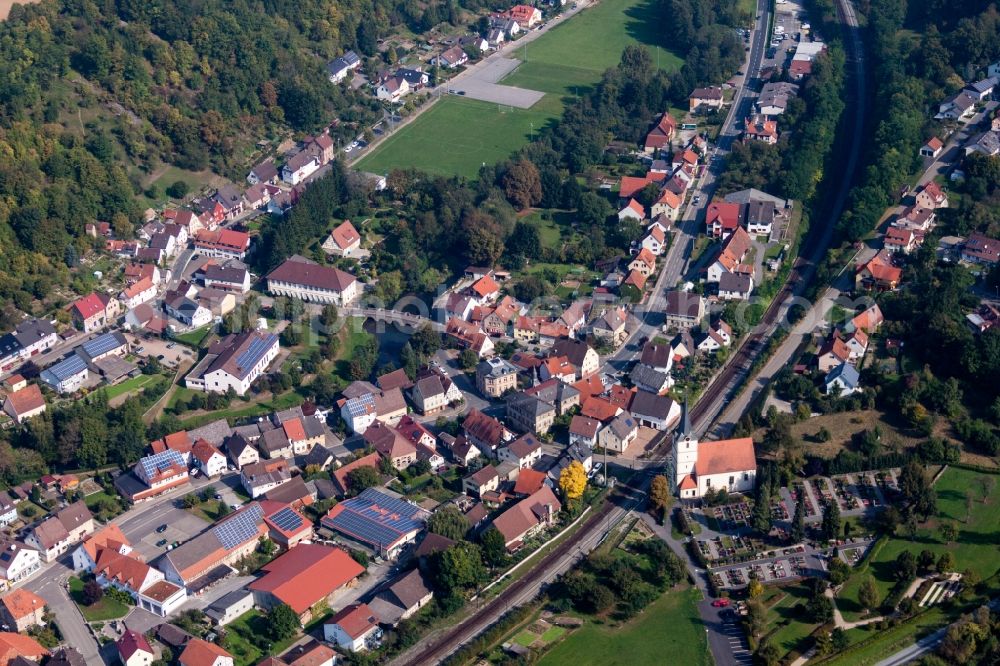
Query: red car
x=720 y=603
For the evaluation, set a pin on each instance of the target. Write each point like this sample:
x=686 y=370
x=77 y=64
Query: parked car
x=161 y=543
x=721 y=603
x=161 y=529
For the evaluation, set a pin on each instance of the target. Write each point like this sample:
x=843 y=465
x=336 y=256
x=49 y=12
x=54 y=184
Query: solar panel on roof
x=239 y=529
x=162 y=460
x=287 y=520
x=67 y=368
x=364 y=530
x=360 y=405
x=102 y=344
x=376 y=518
x=258 y=347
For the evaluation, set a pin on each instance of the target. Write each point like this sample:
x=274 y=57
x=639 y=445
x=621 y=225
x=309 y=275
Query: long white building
x=305 y=280
x=234 y=362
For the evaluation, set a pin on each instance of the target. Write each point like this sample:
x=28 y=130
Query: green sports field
x=570 y=57
x=457 y=135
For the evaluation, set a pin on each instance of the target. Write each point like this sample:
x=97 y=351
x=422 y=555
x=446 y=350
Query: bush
x=178 y=189
x=92 y=592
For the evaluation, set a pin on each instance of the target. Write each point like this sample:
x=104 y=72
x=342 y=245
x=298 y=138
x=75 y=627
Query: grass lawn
x=242 y=410
x=102 y=611
x=239 y=634
x=974 y=549
x=606 y=29
x=551 y=231
x=669 y=626
x=785 y=629
x=196 y=337
x=209 y=511
x=457 y=135
x=132 y=385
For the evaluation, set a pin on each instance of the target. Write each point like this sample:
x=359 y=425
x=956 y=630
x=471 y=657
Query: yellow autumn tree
x=573 y=481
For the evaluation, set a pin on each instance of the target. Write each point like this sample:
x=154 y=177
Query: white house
x=17 y=561
x=135 y=295
x=235 y=361
x=842 y=380
x=66 y=376
x=393 y=89
x=189 y=312
x=633 y=210
x=354 y=628
x=524 y=451
x=8 y=512
x=208 y=459
x=300 y=166
x=339 y=68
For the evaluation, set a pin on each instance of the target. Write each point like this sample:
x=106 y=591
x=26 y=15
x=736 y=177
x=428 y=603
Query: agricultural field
x=669 y=626
x=456 y=136
x=606 y=29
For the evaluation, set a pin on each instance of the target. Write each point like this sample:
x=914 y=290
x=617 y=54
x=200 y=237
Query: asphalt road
x=813 y=252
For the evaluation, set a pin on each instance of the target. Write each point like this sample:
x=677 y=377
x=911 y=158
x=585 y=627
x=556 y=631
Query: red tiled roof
x=89 y=305
x=345 y=235
x=529 y=481
x=632 y=184
x=294 y=430
x=356 y=620
x=132 y=642
x=109 y=536
x=27 y=399
x=15 y=645
x=22 y=603
x=340 y=475
x=599 y=408
x=198 y=652
x=727 y=455
x=223 y=238
x=307 y=574
x=203 y=451
x=485 y=286
x=934 y=143
x=669 y=198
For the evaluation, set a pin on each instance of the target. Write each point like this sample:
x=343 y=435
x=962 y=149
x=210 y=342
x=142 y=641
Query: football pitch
x=572 y=56
x=457 y=135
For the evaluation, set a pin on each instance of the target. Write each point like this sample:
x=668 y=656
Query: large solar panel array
x=162 y=460
x=258 y=347
x=239 y=529
x=286 y=519
x=103 y=344
x=376 y=518
x=67 y=368
x=363 y=404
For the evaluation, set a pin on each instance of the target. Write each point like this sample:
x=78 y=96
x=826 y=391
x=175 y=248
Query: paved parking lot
x=172 y=355
x=734 y=635
x=482 y=85
x=181 y=526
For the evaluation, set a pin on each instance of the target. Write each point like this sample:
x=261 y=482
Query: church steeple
x=685 y=420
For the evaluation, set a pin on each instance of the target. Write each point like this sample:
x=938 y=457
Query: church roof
x=724 y=456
